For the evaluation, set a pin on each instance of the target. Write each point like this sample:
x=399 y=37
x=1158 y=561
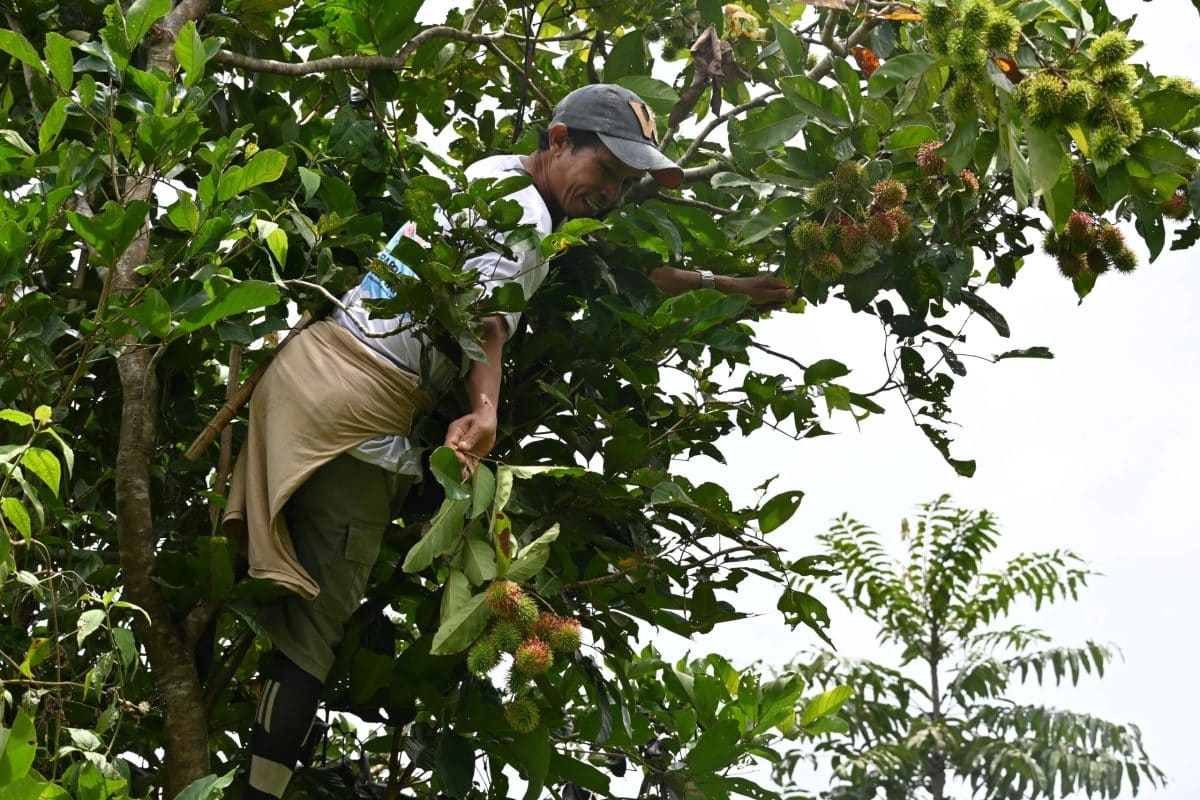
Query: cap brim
x=642 y=156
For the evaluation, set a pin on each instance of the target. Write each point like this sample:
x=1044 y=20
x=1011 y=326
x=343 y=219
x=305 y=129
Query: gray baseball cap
x=624 y=123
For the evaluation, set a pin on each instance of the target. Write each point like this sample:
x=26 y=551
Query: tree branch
x=687 y=201
x=335 y=63
x=826 y=64
x=647 y=188
x=714 y=123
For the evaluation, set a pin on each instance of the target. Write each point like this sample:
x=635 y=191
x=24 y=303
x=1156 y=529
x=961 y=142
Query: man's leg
x=337 y=520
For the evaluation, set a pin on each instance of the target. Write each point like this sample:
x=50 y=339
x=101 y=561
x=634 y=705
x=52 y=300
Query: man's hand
x=472 y=437
x=761 y=289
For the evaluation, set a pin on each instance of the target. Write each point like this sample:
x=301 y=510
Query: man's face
x=585 y=181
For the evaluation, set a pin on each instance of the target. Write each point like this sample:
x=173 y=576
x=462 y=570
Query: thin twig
x=687 y=201
x=761 y=100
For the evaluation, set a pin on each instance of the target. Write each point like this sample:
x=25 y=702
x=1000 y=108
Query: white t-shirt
x=411 y=350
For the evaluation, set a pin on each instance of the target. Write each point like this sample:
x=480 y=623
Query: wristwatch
x=707 y=279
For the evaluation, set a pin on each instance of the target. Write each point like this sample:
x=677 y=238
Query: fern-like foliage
x=940 y=718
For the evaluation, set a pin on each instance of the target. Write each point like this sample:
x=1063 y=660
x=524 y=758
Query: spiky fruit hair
x=826 y=267
x=1108 y=144
x=889 y=193
x=483 y=657
x=533 y=657
x=1097 y=261
x=807 y=234
x=1110 y=240
x=1003 y=32
x=855 y=241
x=970 y=182
x=938 y=17
x=1050 y=243
x=1176 y=207
x=1110 y=49
x=502 y=597
x=566 y=636
x=963 y=98
x=849 y=177
x=1180 y=84
x=975 y=15
x=1117 y=82
x=928 y=159
x=904 y=222
x=1071 y=265
x=522 y=715
x=1077 y=98
x=1081 y=230
x=832 y=240
x=1124 y=260
x=882 y=228
x=506 y=636
x=527 y=613
x=823 y=195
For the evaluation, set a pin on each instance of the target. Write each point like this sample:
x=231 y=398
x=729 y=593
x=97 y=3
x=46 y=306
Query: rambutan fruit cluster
x=1096 y=95
x=1088 y=246
x=532 y=639
x=965 y=33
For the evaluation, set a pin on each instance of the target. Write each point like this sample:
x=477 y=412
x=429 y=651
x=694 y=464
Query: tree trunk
x=172 y=662
x=937 y=757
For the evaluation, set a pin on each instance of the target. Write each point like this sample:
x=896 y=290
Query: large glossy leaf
x=229 y=301
x=444 y=531
x=457 y=633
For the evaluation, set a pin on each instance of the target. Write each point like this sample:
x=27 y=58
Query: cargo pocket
x=362 y=549
x=362 y=542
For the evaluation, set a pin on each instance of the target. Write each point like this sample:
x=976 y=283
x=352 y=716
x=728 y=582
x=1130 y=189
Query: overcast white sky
x=1094 y=451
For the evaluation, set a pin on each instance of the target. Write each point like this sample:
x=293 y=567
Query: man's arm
x=759 y=288
x=474 y=435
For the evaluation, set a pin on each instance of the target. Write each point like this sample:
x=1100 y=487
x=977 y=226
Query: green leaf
x=236 y=299
x=985 y=309
x=89 y=622
x=897 y=70
x=658 y=95
x=825 y=704
x=207 y=788
x=444 y=530
x=533 y=557
x=580 y=773
x=311 y=181
x=153 y=312
x=1161 y=156
x=264 y=167
x=141 y=15
x=448 y=470
x=715 y=749
x=454 y=762
x=15 y=416
x=277 y=243
x=769 y=218
x=190 y=53
x=455 y=594
x=778 y=510
x=771 y=126
x=112 y=230
x=795 y=54
x=911 y=137
x=1029 y=352
x=824 y=371
x=533 y=753
x=483 y=490
x=19 y=48
x=479 y=560
x=1046 y=155
x=14 y=511
x=627 y=57
x=827 y=725
x=816 y=100
x=43 y=464
x=457 y=633
x=1166 y=108
x=61 y=59
x=18 y=747
x=960 y=148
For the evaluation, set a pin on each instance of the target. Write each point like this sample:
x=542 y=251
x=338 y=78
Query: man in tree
x=324 y=463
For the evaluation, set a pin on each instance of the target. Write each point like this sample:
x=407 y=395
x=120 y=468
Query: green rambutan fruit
x=938 y=42
x=546 y=623
x=807 y=234
x=565 y=638
x=1108 y=144
x=1003 y=32
x=1111 y=49
x=849 y=177
x=823 y=195
x=506 y=636
x=929 y=161
x=1117 y=82
x=937 y=17
x=1097 y=261
x=502 y=598
x=832 y=240
x=976 y=15
x=526 y=614
x=904 y=222
x=1081 y=230
x=1085 y=187
x=522 y=715
x=1189 y=139
x=1124 y=260
x=1050 y=244
x=882 y=228
x=483 y=657
x=970 y=182
x=1126 y=118
x=929 y=191
x=965 y=45
x=1110 y=240
x=1071 y=265
x=1022 y=95
x=1180 y=84
x=963 y=99
x=1046 y=91
x=889 y=193
x=973 y=72
x=533 y=657
x=826 y=267
x=1077 y=98
x=1176 y=207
